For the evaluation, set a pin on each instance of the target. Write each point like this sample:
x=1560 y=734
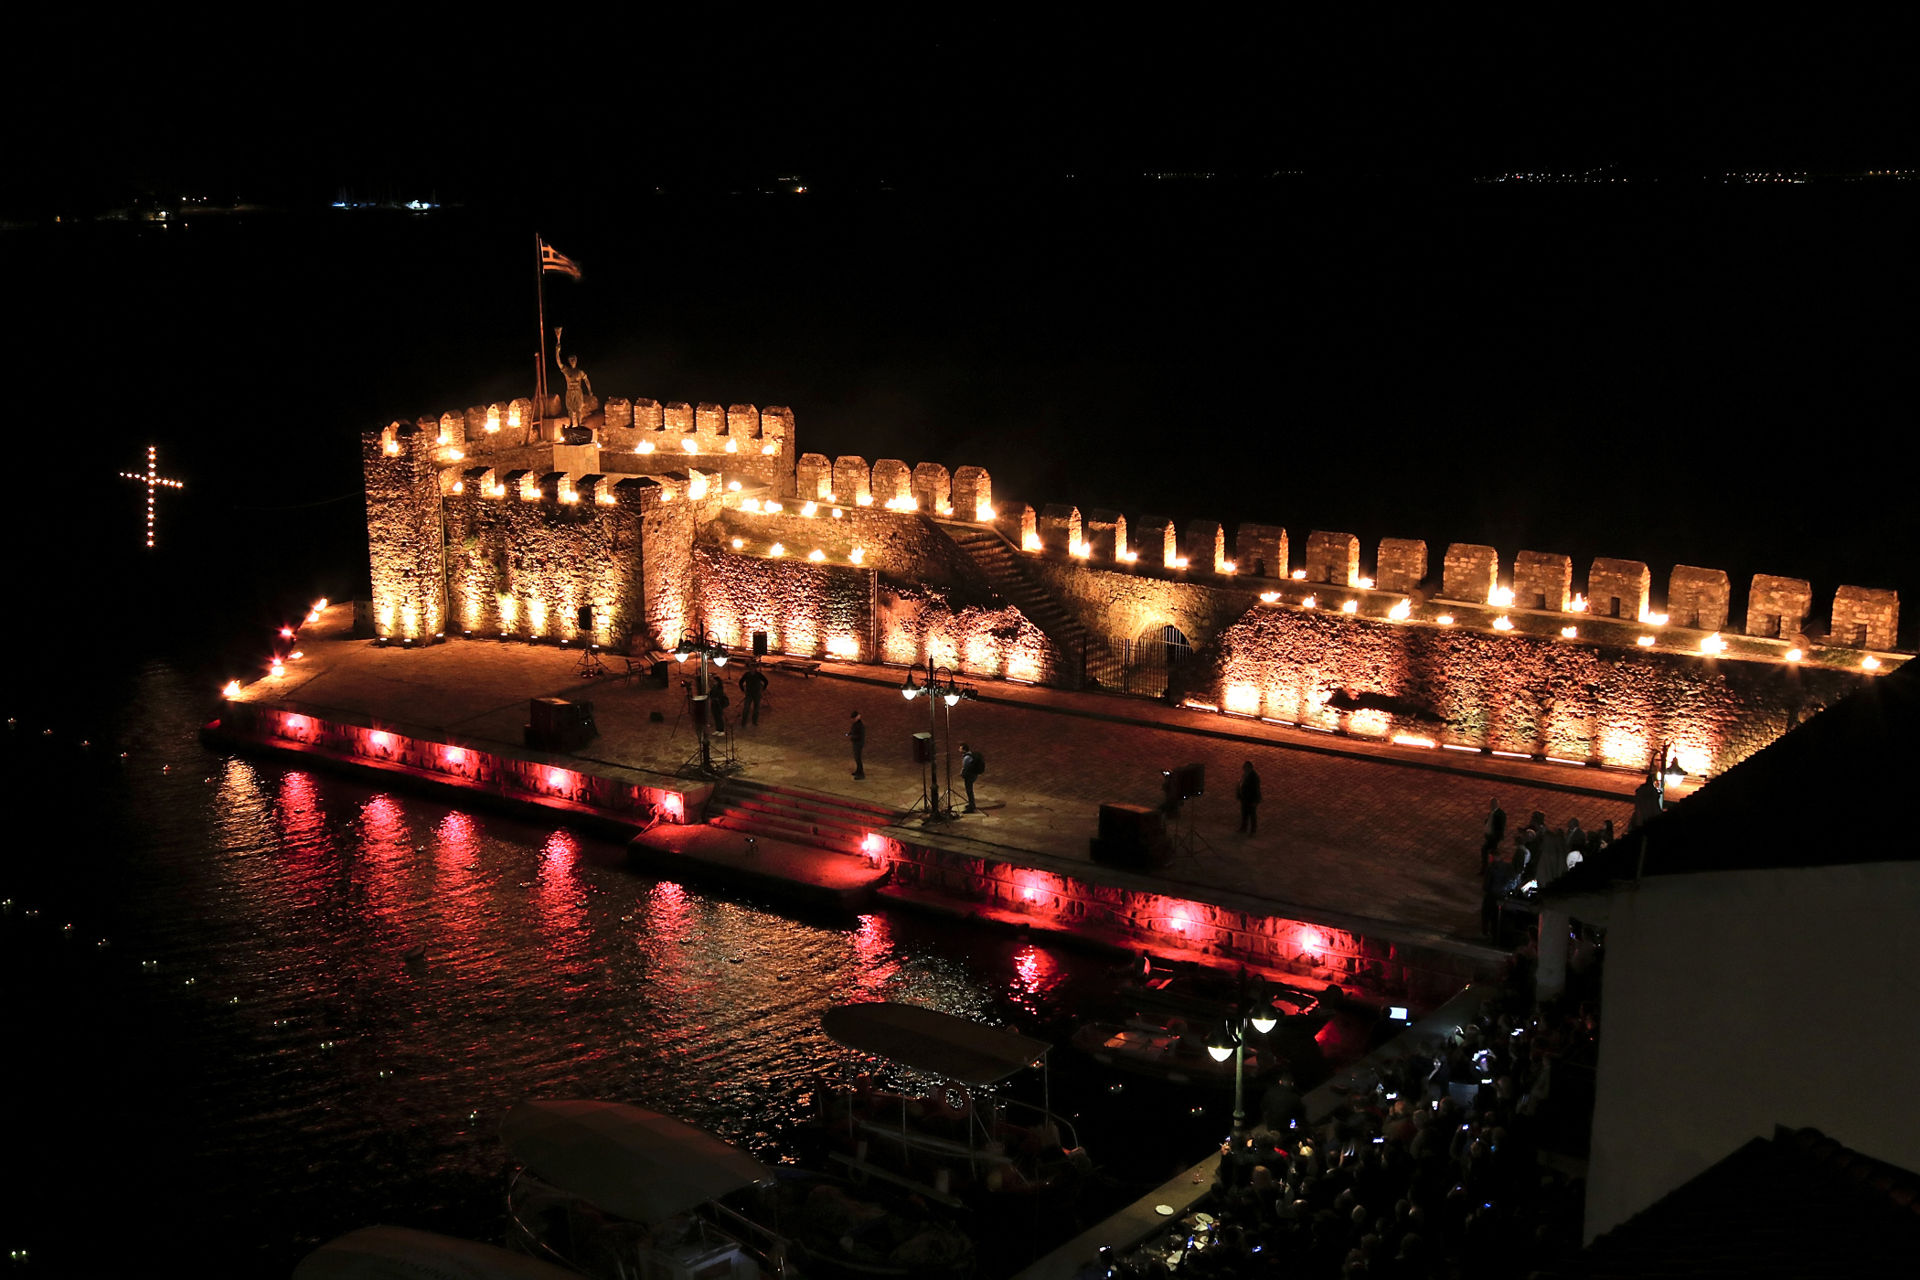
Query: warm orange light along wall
x=1512 y=692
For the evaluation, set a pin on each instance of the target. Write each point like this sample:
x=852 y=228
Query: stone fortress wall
x=677 y=517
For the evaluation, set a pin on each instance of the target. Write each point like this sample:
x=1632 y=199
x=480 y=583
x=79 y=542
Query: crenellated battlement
x=1469 y=574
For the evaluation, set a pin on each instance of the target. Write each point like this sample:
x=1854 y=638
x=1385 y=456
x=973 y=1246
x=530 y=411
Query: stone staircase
x=837 y=823
x=1079 y=654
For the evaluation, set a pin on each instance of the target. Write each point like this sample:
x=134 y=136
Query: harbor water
x=251 y=1006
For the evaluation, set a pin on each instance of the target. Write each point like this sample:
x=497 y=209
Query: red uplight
x=381 y=739
x=556 y=778
x=455 y=755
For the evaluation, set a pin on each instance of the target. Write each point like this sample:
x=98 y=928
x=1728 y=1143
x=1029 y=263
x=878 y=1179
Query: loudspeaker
x=923 y=748
x=554 y=724
x=1129 y=823
x=759 y=644
x=1186 y=782
x=584 y=617
x=1131 y=835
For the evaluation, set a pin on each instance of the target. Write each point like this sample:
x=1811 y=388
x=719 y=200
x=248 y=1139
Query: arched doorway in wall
x=1141 y=664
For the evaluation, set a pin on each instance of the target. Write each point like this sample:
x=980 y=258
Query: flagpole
x=540 y=292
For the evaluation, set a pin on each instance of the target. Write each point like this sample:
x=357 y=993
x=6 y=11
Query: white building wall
x=1738 y=1000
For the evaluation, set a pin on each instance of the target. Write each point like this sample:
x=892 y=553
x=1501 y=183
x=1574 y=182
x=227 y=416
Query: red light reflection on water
x=385 y=854
x=302 y=820
x=559 y=897
x=873 y=950
x=456 y=842
x=1035 y=975
x=667 y=910
x=453 y=914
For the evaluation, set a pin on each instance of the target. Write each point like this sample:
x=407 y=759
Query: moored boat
x=960 y=1134
x=619 y=1191
x=1166 y=1049
x=402 y=1253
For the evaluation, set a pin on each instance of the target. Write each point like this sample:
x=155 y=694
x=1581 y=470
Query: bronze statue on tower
x=579 y=386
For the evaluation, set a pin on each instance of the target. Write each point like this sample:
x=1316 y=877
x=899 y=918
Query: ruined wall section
x=1524 y=694
x=919 y=622
x=807 y=609
x=403 y=531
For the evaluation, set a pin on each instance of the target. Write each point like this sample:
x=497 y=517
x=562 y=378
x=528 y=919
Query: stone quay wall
x=529 y=777
x=1127 y=910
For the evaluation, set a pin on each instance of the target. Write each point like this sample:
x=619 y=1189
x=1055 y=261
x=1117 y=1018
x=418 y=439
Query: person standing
x=972 y=765
x=752 y=685
x=718 y=702
x=1493 y=832
x=857 y=735
x=1248 y=794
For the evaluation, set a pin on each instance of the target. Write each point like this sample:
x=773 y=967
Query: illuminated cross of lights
x=153 y=480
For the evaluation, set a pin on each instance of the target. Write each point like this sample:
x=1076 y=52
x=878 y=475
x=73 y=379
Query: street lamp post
x=938 y=690
x=1669 y=774
x=697 y=644
x=1231 y=1041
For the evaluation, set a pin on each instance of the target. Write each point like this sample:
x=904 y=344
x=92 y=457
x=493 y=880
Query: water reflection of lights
x=456 y=841
x=302 y=820
x=560 y=849
x=1035 y=975
x=873 y=948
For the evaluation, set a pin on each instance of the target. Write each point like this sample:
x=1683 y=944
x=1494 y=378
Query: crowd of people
x=1541 y=853
x=1432 y=1174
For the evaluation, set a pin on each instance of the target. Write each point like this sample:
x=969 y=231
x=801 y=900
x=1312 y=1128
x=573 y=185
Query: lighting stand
x=1187 y=843
x=701 y=763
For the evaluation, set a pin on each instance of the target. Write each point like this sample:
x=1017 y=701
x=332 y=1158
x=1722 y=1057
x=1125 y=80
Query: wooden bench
x=795 y=666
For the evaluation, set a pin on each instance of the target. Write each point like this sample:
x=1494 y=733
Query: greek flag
x=551 y=259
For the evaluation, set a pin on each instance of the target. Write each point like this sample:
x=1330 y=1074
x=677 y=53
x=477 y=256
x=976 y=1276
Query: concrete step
x=837 y=823
x=795 y=832
x=828 y=821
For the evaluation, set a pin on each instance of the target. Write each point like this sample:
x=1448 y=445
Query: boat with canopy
x=620 y=1191
x=961 y=1132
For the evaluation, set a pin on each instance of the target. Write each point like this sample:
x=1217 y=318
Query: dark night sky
x=279 y=107
x=1497 y=354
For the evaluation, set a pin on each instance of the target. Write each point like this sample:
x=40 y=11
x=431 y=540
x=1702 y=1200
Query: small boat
x=1163 y=1047
x=401 y=1253
x=614 y=1191
x=960 y=1135
x=1204 y=997
x=619 y=1191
